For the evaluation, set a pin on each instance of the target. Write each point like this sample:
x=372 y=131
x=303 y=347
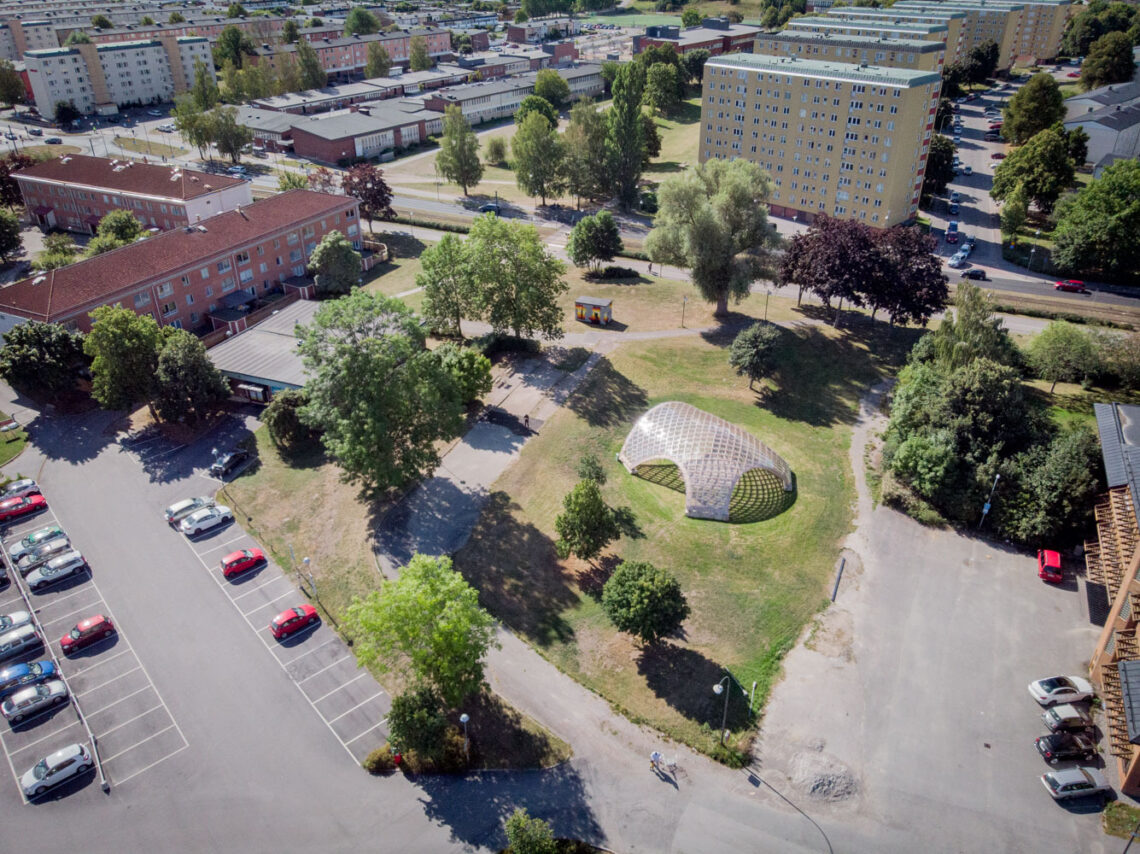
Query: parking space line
x=243 y=536
x=145 y=740
x=90 y=577
x=380 y=723
x=167 y=452
x=51 y=734
x=108 y=682
x=357 y=706
x=99 y=711
x=132 y=720
x=270 y=602
x=69 y=615
x=326 y=667
x=83 y=670
x=334 y=639
x=185 y=744
x=234 y=599
x=360 y=675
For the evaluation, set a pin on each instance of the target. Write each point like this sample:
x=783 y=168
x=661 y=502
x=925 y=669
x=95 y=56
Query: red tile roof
x=114 y=275
x=148 y=179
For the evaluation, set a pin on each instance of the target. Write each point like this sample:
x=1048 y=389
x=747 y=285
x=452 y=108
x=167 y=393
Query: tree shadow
x=607 y=398
x=515 y=568
x=593 y=578
x=684 y=679
x=77 y=438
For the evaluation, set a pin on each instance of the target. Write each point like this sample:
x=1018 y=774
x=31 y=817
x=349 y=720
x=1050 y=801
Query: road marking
x=381 y=723
x=102 y=709
x=86 y=571
x=51 y=734
x=151 y=765
x=326 y=667
x=235 y=599
x=131 y=721
x=67 y=616
x=143 y=459
x=100 y=661
x=342 y=685
x=145 y=740
x=241 y=536
x=357 y=706
x=270 y=602
x=334 y=639
x=108 y=682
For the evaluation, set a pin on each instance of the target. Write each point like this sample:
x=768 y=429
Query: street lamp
x=463 y=719
x=719 y=688
x=989 y=501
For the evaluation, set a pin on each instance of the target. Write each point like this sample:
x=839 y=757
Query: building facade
x=716 y=35
x=346 y=58
x=182 y=277
x=1112 y=130
x=75 y=191
x=1030 y=28
x=954 y=21
x=844 y=140
x=915 y=54
x=498 y=99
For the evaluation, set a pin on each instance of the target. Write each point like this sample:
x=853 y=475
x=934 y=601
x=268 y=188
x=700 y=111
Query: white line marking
x=234 y=599
x=323 y=669
x=151 y=765
x=51 y=734
x=68 y=616
x=357 y=706
x=342 y=685
x=334 y=639
x=242 y=536
x=145 y=740
x=99 y=662
x=270 y=602
x=108 y=682
x=374 y=726
x=131 y=721
x=165 y=453
x=76 y=592
x=102 y=709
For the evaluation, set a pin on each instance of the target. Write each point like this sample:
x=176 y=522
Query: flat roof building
x=1038 y=25
x=881 y=50
x=716 y=35
x=953 y=19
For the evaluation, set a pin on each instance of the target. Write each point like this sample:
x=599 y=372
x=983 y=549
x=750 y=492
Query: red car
x=1073 y=74
x=87 y=632
x=1049 y=566
x=240 y=561
x=997 y=155
x=12 y=508
x=1074 y=286
x=293 y=620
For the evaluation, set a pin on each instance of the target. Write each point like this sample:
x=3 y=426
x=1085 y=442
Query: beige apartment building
x=915 y=54
x=1037 y=27
x=953 y=20
x=848 y=140
x=840 y=27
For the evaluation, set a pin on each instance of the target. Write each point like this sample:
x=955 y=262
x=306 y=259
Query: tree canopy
x=458 y=157
x=335 y=265
x=360 y=22
x=1034 y=107
x=753 y=351
x=450 y=293
x=586 y=524
x=419 y=59
x=123 y=348
x=365 y=183
x=1099 y=227
x=1062 y=352
x=187 y=383
x=1109 y=61
x=41 y=358
x=1042 y=168
x=625 y=135
x=536 y=152
x=379 y=62
x=594 y=239
x=644 y=600
x=536 y=103
x=550 y=86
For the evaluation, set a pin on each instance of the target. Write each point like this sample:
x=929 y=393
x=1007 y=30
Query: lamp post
x=719 y=688
x=684 y=302
x=989 y=501
x=312 y=581
x=463 y=719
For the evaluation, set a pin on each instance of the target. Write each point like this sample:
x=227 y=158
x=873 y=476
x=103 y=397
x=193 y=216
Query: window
x=142 y=299
x=225 y=266
x=165 y=289
x=227 y=284
x=295 y=255
x=169 y=308
x=242 y=257
x=209 y=291
x=189 y=299
x=263 y=267
x=292 y=238
x=205 y=272
x=245 y=276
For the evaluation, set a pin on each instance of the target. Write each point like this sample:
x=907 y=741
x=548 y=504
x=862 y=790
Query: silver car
x=205 y=519
x=56 y=768
x=179 y=510
x=33 y=700
x=14 y=621
x=36 y=538
x=18 y=641
x=1075 y=783
x=41 y=554
x=56 y=569
x=17 y=488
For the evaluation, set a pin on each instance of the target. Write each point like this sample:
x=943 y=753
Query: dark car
x=490 y=207
x=1060 y=746
x=227 y=462
x=54 y=140
x=974 y=274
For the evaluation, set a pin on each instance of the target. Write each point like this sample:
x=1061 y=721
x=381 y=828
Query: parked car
x=975 y=273
x=490 y=207
x=1075 y=783
x=1072 y=286
x=85 y=633
x=971 y=97
x=18 y=675
x=991 y=137
x=955 y=196
x=10 y=135
x=33 y=700
x=293 y=620
x=14 y=620
x=4 y=579
x=228 y=461
x=56 y=570
x=205 y=519
x=1049 y=566
x=56 y=768
x=968 y=170
x=34 y=539
x=954 y=209
x=1066 y=717
x=41 y=554
x=179 y=510
x=1061 y=746
x=997 y=155
x=241 y=561
x=1073 y=74
x=155 y=113
x=18 y=641
x=14 y=508
x=168 y=127
x=956 y=260
x=17 y=488
x=1060 y=689
x=35 y=132
x=54 y=140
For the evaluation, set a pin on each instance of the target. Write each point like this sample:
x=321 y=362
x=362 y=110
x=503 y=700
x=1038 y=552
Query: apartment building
x=837 y=138
x=716 y=35
x=259 y=29
x=541 y=29
x=99 y=78
x=837 y=26
x=1038 y=28
x=953 y=20
x=497 y=99
x=345 y=58
x=915 y=54
x=181 y=277
x=75 y=191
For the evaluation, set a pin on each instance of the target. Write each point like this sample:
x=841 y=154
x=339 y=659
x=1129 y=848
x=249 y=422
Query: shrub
x=496 y=342
x=380 y=760
x=611 y=272
x=644 y=600
x=417 y=723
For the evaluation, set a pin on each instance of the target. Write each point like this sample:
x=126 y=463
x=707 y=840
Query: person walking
x=655 y=760
x=526 y=422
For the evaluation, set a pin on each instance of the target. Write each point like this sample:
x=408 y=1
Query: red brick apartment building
x=74 y=192
x=182 y=277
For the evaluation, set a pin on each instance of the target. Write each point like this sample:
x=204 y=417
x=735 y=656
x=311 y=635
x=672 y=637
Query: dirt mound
x=822 y=776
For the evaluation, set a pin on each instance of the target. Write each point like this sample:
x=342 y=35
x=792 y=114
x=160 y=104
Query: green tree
x=713 y=221
x=690 y=17
x=661 y=85
x=1077 y=140
x=495 y=151
x=694 y=64
x=204 y=90
x=118 y=228
x=589 y=468
x=1034 y=107
x=176 y=18
x=290 y=32
x=102 y=22
x=1041 y=167
x=123 y=348
x=644 y=600
x=939 y=166
x=291 y=181
x=980 y=62
x=587 y=524
x=229 y=136
x=288 y=76
x=65 y=112
x=753 y=351
x=59 y=251
x=519 y=279
x=419 y=59
x=549 y=85
x=469 y=369
x=235 y=10
x=234 y=45
x=535 y=104
x=1014 y=212
x=584 y=161
x=12 y=89
x=973 y=331
x=1109 y=61
x=458 y=157
x=594 y=239
x=77 y=37
x=361 y=22
x=652 y=139
x=450 y=294
x=428 y=624
x=526 y=835
x=521 y=17
x=417 y=722
x=313 y=74
x=10 y=195
x=380 y=399
x=335 y=265
x=187 y=383
x=379 y=62
x=625 y=135
x=10 y=241
x=1099 y=227
x=41 y=357
x=195 y=126
x=282 y=418
x=232 y=83
x=536 y=152
x=1062 y=352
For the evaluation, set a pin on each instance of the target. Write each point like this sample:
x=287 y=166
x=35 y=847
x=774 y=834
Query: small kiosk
x=593 y=310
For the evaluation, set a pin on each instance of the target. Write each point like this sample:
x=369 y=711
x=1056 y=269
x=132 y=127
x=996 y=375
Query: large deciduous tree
x=10 y=241
x=229 y=136
x=282 y=418
x=594 y=239
x=428 y=625
x=419 y=59
x=1041 y=167
x=233 y=45
x=41 y=358
x=187 y=383
x=536 y=153
x=335 y=265
x=625 y=135
x=12 y=89
x=118 y=228
x=1099 y=227
x=644 y=600
x=123 y=348
x=586 y=524
x=661 y=87
x=10 y=195
x=549 y=85
x=536 y=104
x=360 y=22
x=458 y=157
x=1062 y=352
x=912 y=287
x=1034 y=107
x=379 y=62
x=1109 y=61
x=584 y=161
x=313 y=74
x=365 y=182
x=450 y=292
x=713 y=221
x=939 y=165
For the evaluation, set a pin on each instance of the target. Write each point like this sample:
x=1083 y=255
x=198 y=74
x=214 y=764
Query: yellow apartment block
x=848 y=140
x=952 y=19
x=1038 y=28
x=915 y=54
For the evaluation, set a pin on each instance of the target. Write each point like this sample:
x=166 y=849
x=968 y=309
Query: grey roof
x=381 y=116
x=819 y=68
x=1115 y=118
x=1116 y=93
x=1130 y=689
x=913 y=45
x=270 y=121
x=1109 y=159
x=268 y=351
x=1119 y=427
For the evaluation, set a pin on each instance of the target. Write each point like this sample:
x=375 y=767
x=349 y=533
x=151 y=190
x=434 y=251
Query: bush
x=494 y=343
x=417 y=723
x=283 y=419
x=380 y=760
x=611 y=272
x=630 y=253
x=449 y=759
x=431 y=223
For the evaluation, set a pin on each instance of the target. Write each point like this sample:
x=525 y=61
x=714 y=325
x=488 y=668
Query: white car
x=205 y=519
x=1075 y=783
x=166 y=128
x=957 y=260
x=33 y=700
x=34 y=539
x=18 y=488
x=56 y=768
x=967 y=170
x=55 y=570
x=179 y=510
x=18 y=641
x=14 y=621
x=1060 y=689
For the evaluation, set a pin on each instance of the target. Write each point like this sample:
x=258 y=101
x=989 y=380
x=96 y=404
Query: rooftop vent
x=39 y=280
x=202 y=228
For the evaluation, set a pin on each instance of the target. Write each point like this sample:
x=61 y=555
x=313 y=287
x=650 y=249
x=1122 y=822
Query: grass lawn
x=12 y=443
x=398 y=274
x=752 y=587
x=1120 y=819
x=48 y=151
x=679 y=137
x=149 y=147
